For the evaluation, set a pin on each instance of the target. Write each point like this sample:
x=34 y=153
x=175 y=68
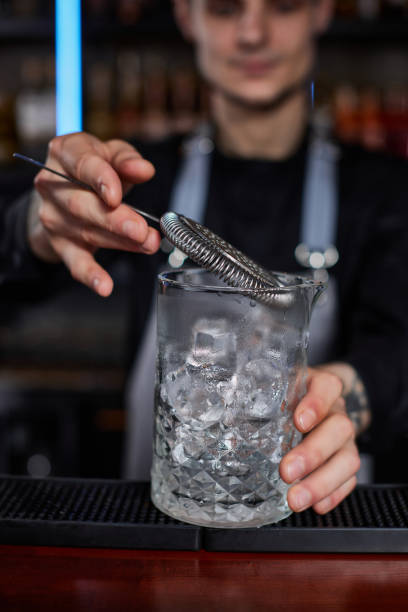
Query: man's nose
x=253 y=26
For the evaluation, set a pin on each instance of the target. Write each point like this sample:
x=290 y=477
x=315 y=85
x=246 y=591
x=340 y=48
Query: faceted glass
x=231 y=368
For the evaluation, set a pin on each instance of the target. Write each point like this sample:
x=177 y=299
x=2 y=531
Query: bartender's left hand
x=327 y=458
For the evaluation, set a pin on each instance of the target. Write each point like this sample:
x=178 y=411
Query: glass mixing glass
x=231 y=368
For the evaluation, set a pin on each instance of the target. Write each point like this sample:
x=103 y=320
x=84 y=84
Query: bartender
x=263 y=177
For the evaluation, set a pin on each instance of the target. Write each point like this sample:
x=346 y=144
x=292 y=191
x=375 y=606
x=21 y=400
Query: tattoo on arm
x=357 y=405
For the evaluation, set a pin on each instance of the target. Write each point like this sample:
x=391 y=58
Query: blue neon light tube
x=68 y=66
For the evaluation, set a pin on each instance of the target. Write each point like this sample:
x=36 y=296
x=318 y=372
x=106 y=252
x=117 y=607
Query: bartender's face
x=254 y=50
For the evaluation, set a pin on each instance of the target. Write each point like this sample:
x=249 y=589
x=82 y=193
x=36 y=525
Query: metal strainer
x=210 y=251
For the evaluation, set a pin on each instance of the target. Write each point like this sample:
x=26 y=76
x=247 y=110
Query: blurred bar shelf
x=370 y=31
x=70 y=378
x=342 y=30
x=16 y=31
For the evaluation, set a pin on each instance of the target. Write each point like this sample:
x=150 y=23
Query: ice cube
x=191 y=397
x=214 y=344
x=227 y=389
x=262 y=389
x=212 y=415
x=264 y=373
x=260 y=407
x=175 y=391
x=178 y=454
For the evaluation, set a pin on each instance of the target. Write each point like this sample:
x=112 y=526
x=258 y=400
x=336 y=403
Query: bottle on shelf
x=155 y=123
x=346 y=112
x=183 y=94
x=25 y=8
x=8 y=136
x=99 y=118
x=128 y=95
x=372 y=116
x=396 y=119
x=129 y=11
x=372 y=129
x=35 y=103
x=97 y=9
x=346 y=8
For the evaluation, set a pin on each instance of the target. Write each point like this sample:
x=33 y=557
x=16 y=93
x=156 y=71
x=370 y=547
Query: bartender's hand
x=67 y=223
x=332 y=413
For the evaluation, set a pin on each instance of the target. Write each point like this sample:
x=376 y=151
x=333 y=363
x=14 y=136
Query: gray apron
x=316 y=251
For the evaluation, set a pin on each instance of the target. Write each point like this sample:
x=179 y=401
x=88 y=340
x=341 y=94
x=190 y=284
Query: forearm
x=354 y=394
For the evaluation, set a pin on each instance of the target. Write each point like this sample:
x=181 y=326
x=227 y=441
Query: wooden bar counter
x=62 y=579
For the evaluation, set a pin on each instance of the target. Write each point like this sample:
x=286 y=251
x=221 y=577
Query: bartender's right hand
x=67 y=223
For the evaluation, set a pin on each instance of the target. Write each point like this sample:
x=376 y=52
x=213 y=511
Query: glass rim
x=164 y=277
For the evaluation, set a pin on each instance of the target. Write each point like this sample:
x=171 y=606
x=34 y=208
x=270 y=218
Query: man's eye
x=223 y=8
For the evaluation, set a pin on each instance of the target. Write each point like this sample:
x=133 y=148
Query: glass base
x=220 y=515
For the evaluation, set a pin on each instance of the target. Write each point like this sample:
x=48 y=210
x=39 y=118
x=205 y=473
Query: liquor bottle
x=25 y=8
x=98 y=9
x=346 y=8
x=345 y=113
x=129 y=11
x=396 y=119
x=183 y=95
x=372 y=128
x=35 y=103
x=99 y=119
x=129 y=92
x=155 y=124
x=8 y=135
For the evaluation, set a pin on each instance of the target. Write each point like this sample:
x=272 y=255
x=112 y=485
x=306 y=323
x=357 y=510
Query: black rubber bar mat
x=88 y=513
x=119 y=514
x=372 y=519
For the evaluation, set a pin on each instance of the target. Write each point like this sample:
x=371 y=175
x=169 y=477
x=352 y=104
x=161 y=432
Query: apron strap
x=318 y=225
x=316 y=250
x=189 y=194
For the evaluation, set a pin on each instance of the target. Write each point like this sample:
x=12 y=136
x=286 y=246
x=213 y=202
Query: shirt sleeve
x=378 y=307
x=17 y=262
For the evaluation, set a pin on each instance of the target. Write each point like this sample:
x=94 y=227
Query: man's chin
x=261 y=100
